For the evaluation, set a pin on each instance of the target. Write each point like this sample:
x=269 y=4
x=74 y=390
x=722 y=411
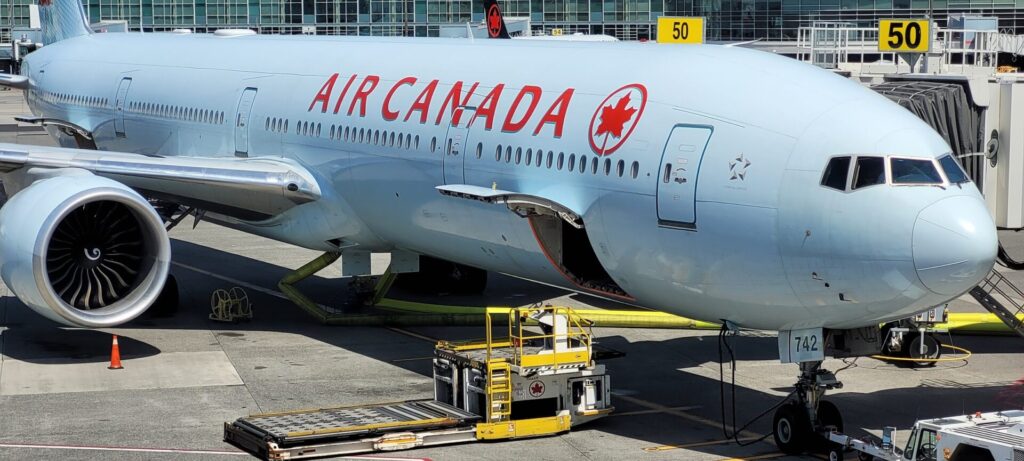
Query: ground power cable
x=723 y=342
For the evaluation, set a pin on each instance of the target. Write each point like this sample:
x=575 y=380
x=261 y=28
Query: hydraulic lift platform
x=523 y=385
x=351 y=429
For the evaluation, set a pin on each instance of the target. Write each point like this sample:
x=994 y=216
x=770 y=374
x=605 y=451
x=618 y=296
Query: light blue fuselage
x=740 y=229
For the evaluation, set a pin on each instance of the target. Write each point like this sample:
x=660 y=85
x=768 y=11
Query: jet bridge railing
x=830 y=45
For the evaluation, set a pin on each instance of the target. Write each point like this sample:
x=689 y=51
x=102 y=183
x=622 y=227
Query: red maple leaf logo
x=613 y=119
x=537 y=388
x=493 y=21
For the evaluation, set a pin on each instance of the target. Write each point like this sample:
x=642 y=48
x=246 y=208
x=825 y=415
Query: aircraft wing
x=246 y=188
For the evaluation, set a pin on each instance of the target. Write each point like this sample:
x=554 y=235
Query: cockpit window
x=869 y=172
x=954 y=173
x=914 y=171
x=835 y=173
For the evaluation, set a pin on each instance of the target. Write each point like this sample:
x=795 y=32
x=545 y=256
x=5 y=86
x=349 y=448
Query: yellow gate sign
x=904 y=35
x=680 y=30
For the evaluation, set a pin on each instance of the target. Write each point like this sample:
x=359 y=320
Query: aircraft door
x=119 y=101
x=677 y=179
x=456 y=148
x=242 y=122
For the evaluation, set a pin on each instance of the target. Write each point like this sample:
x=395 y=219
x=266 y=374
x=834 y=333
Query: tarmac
x=185 y=375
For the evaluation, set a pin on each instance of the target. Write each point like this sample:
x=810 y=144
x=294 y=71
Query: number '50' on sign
x=904 y=35
x=680 y=30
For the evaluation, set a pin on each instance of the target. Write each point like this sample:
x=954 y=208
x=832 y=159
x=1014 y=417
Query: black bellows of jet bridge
x=947 y=107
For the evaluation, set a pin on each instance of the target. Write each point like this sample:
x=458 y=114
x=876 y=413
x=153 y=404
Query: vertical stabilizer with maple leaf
x=494 y=20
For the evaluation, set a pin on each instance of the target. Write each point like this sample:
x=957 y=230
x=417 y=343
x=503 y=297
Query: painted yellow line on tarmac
x=684 y=415
x=752 y=458
x=653 y=412
x=411 y=359
x=413 y=334
x=696 y=444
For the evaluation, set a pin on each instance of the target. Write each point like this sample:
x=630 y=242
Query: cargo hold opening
x=570 y=251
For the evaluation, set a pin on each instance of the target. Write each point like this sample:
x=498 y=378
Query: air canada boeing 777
x=778 y=197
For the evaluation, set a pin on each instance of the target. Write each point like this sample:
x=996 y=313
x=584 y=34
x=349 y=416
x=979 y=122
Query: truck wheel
x=932 y=350
x=791 y=429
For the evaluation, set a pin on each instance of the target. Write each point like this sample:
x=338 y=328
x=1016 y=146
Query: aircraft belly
x=398 y=201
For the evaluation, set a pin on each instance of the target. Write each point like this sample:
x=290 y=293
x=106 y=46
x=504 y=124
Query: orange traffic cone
x=115 y=356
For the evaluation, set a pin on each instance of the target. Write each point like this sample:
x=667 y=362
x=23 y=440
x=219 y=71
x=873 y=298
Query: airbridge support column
x=1009 y=158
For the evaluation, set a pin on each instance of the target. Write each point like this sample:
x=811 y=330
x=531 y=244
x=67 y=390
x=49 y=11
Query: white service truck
x=996 y=436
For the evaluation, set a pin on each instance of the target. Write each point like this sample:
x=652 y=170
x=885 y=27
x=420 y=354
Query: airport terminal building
x=625 y=19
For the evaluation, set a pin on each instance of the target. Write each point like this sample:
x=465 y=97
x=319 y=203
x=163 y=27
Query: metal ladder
x=996 y=283
x=499 y=390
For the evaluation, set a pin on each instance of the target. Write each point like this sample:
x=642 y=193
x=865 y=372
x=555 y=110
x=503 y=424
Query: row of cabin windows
x=385 y=138
x=559 y=161
x=190 y=114
x=381 y=138
x=81 y=100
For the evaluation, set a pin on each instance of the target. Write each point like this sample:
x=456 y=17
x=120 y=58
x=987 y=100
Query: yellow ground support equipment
x=230 y=305
x=525 y=384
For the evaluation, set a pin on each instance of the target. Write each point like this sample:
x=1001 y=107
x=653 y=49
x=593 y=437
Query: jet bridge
x=947 y=106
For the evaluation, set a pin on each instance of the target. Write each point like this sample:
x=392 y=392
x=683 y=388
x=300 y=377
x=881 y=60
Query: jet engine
x=83 y=250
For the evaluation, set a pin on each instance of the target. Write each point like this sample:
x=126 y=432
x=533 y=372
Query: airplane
x=782 y=197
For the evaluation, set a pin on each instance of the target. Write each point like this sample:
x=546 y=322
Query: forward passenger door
x=677 y=180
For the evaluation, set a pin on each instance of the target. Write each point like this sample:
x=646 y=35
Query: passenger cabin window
x=869 y=171
x=954 y=173
x=836 y=172
x=914 y=171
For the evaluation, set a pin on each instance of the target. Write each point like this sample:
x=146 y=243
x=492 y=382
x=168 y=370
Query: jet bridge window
x=836 y=172
x=954 y=173
x=869 y=171
x=914 y=171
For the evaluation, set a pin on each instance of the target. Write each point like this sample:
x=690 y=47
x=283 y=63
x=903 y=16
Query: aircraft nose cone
x=955 y=244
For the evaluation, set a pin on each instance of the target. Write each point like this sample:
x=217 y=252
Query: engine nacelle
x=83 y=250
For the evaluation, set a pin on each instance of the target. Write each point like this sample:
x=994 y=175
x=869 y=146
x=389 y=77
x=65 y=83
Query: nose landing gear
x=802 y=424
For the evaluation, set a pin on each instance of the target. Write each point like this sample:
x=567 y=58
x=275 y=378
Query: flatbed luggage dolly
x=525 y=384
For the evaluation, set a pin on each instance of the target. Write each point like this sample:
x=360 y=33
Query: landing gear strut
x=798 y=425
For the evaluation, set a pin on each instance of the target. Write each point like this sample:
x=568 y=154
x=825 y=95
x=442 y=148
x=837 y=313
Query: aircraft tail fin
x=62 y=19
x=495 y=22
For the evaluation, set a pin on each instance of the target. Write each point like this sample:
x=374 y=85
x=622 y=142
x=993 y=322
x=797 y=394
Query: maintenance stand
x=526 y=384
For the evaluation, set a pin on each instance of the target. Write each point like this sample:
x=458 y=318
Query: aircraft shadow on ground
x=654 y=371
x=46 y=342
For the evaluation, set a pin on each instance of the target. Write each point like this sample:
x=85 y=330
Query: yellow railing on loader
x=572 y=347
